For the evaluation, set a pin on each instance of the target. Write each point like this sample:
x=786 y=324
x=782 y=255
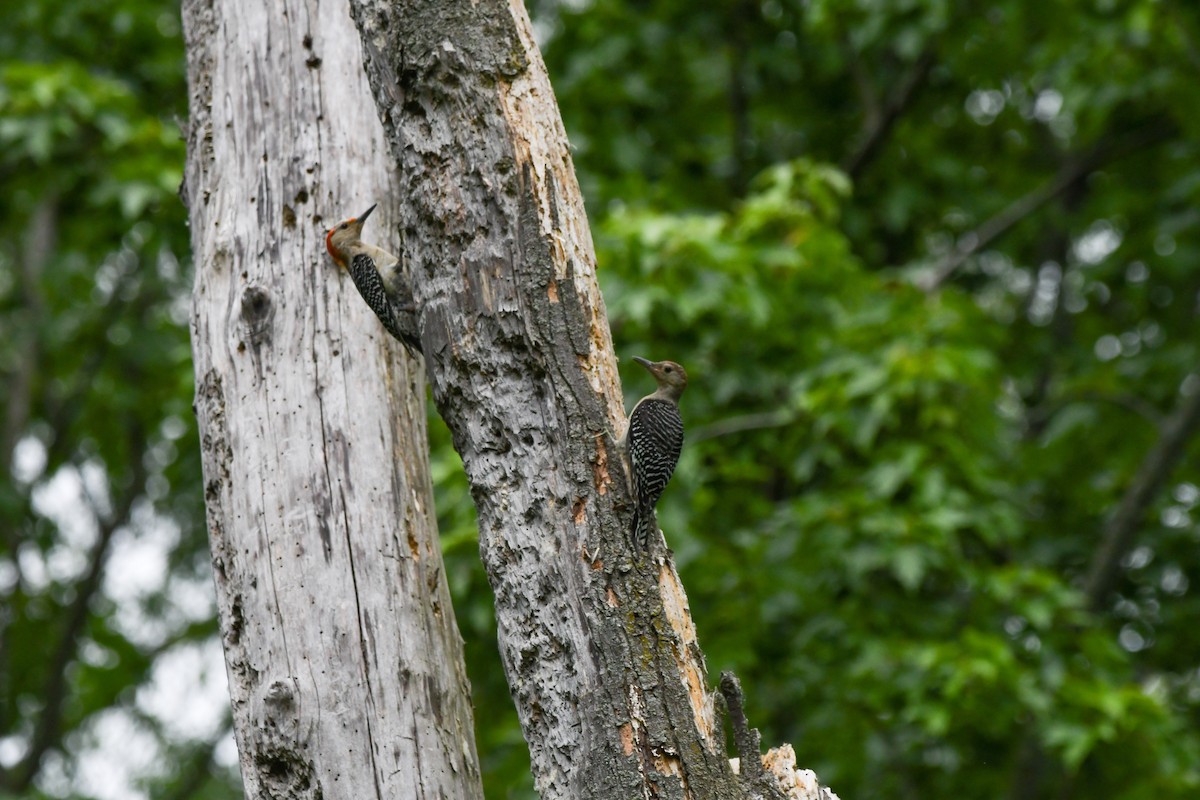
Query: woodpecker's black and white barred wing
x=655 y=440
x=370 y=285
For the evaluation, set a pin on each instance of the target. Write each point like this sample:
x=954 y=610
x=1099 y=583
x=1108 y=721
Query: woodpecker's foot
x=608 y=433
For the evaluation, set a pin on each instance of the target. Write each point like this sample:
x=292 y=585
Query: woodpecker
x=653 y=441
x=379 y=277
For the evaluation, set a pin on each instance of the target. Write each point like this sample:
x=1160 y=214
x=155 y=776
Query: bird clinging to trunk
x=653 y=442
x=379 y=277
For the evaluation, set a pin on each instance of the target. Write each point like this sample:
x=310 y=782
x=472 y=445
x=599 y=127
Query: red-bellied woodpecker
x=379 y=277
x=653 y=440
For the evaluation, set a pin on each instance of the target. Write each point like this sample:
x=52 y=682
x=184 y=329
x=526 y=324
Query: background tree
x=888 y=523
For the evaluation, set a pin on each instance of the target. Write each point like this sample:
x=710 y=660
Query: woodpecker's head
x=340 y=238
x=671 y=378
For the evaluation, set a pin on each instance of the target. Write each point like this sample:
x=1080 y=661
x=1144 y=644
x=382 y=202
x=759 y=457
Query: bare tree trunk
x=599 y=647
x=345 y=664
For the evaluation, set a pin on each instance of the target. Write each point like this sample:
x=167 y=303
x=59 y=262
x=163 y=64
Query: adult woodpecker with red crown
x=379 y=277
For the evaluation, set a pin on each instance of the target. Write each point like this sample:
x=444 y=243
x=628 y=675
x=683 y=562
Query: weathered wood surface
x=600 y=652
x=344 y=661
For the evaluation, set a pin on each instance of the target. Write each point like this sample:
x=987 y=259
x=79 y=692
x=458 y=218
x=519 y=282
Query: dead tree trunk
x=599 y=648
x=345 y=665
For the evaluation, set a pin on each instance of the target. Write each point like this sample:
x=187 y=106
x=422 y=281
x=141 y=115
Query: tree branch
x=867 y=96
x=1181 y=27
x=196 y=771
x=49 y=723
x=39 y=243
x=1121 y=528
x=1074 y=170
x=1040 y=415
x=742 y=423
x=739 y=101
x=878 y=123
x=747 y=740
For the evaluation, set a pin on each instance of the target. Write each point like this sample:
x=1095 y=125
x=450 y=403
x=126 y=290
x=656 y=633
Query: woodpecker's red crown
x=339 y=237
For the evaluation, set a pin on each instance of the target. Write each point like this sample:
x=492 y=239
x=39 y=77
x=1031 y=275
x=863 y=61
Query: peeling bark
x=344 y=660
x=599 y=648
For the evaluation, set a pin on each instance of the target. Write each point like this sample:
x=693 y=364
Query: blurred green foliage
x=890 y=496
x=98 y=442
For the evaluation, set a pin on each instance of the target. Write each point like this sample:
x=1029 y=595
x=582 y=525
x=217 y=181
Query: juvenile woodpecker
x=653 y=441
x=379 y=277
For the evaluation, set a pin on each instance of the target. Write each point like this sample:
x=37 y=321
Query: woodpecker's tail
x=644 y=526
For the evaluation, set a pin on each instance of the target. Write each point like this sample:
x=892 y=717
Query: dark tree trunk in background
x=599 y=648
x=345 y=665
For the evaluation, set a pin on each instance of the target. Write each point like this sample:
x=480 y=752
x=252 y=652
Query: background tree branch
x=38 y=245
x=880 y=119
x=1073 y=170
x=1120 y=530
x=47 y=730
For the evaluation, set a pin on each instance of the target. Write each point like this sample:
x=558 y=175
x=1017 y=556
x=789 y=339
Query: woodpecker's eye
x=666 y=369
x=342 y=227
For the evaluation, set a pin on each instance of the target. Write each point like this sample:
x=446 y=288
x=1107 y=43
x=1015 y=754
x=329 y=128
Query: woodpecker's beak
x=363 y=217
x=645 y=362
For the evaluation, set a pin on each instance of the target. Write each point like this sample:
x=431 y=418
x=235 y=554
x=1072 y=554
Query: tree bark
x=345 y=664
x=598 y=644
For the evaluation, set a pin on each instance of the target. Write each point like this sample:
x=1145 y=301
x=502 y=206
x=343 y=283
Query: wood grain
x=344 y=660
